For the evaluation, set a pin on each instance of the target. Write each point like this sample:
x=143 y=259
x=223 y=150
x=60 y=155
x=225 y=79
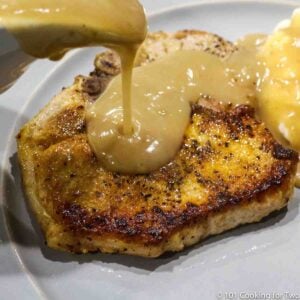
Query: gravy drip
x=162 y=94
x=138 y=127
x=50 y=28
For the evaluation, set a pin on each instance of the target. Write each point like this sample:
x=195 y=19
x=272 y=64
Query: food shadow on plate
x=13 y=65
x=8 y=266
x=6 y=116
x=29 y=235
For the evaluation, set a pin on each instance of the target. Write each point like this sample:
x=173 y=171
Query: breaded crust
x=229 y=171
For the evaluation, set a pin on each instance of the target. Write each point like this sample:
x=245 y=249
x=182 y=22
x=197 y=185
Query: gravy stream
x=162 y=94
x=137 y=128
x=50 y=28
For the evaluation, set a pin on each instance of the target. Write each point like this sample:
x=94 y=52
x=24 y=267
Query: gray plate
x=261 y=257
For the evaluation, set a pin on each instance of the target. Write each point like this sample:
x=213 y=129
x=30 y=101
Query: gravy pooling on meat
x=261 y=72
x=141 y=134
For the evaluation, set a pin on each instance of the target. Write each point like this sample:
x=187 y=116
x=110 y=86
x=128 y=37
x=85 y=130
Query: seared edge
x=174 y=231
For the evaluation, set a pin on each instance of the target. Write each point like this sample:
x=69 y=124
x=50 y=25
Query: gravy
x=137 y=128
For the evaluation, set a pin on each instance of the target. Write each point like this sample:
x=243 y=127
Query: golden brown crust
x=142 y=208
x=228 y=166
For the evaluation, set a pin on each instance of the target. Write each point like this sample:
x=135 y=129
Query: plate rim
x=4 y=163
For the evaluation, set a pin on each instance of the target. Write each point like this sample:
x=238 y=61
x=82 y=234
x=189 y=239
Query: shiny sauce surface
x=138 y=127
x=162 y=94
x=263 y=72
x=50 y=28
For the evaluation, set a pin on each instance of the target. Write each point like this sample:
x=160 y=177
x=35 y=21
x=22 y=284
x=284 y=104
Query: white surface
x=261 y=257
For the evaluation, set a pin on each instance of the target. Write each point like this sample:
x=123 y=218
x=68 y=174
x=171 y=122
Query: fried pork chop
x=229 y=170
